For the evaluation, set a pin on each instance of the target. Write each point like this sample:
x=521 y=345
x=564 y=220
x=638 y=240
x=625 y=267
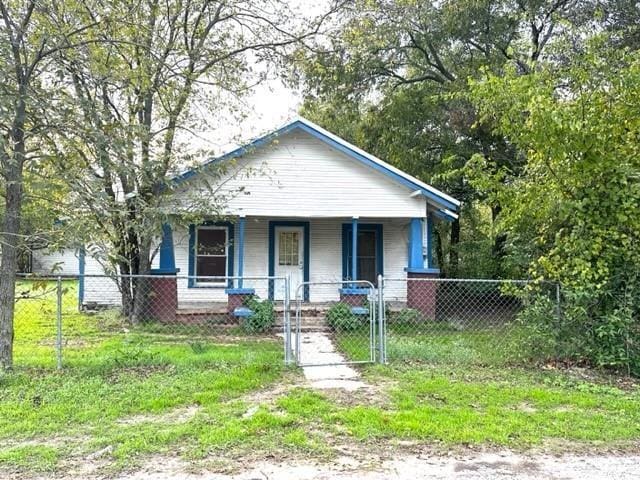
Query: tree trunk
x=9 y=264
x=141 y=285
x=499 y=242
x=13 y=171
x=453 y=248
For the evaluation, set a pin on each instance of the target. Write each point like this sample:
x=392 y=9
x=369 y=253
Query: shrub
x=263 y=317
x=600 y=328
x=408 y=316
x=341 y=318
x=541 y=335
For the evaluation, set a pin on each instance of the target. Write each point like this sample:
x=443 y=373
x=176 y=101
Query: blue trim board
x=355 y=291
x=443 y=216
x=329 y=141
x=347 y=239
x=354 y=248
x=240 y=291
x=191 y=283
x=167 y=256
x=422 y=270
x=305 y=253
x=81 y=270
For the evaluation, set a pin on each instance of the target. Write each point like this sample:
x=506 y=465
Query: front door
x=288 y=253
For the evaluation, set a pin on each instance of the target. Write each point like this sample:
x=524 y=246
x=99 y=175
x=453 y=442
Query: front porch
x=227 y=262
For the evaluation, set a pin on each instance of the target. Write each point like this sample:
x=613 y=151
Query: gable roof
x=447 y=204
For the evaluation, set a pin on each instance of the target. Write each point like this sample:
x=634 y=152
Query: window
x=212 y=250
x=288 y=248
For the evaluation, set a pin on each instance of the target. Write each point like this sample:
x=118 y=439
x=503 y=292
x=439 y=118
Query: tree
x=152 y=71
x=31 y=34
x=574 y=210
x=408 y=62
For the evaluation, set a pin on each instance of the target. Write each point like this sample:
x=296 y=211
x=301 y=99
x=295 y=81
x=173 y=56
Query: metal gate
x=347 y=331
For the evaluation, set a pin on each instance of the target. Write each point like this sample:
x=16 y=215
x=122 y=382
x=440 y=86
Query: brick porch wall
x=162 y=302
x=421 y=294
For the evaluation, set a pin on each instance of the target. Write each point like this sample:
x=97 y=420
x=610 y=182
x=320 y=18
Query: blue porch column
x=354 y=249
x=167 y=254
x=416 y=260
x=241 y=224
x=236 y=297
x=421 y=289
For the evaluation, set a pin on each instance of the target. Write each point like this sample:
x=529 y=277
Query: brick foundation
x=421 y=294
x=162 y=301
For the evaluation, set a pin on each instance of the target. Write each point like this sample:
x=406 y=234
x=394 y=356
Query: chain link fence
x=460 y=321
x=126 y=320
x=151 y=320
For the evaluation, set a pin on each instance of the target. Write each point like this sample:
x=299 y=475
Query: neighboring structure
x=63 y=262
x=316 y=203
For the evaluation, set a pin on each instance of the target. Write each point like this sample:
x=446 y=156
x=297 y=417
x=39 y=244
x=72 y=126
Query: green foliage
x=393 y=81
x=341 y=318
x=407 y=316
x=573 y=215
x=263 y=317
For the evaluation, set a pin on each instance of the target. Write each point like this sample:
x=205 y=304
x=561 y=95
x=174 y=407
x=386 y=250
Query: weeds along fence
x=147 y=320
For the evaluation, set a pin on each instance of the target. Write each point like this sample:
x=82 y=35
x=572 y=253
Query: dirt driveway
x=485 y=466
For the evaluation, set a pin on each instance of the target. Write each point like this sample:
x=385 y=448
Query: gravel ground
x=504 y=465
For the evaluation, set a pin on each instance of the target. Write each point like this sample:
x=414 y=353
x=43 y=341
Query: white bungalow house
x=322 y=203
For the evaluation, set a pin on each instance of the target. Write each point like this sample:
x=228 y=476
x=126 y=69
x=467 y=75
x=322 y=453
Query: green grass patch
x=114 y=372
x=441 y=343
x=37 y=458
x=134 y=392
x=495 y=406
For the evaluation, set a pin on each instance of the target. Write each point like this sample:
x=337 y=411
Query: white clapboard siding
x=62 y=262
x=100 y=288
x=300 y=176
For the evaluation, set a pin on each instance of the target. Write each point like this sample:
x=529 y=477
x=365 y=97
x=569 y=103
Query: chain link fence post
x=59 y=323
x=381 y=322
x=287 y=320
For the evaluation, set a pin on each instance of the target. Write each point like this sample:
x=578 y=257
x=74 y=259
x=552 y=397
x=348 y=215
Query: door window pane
x=288 y=248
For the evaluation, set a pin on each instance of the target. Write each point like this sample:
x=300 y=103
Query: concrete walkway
x=317 y=347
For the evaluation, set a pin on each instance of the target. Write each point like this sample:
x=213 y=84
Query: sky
x=268 y=106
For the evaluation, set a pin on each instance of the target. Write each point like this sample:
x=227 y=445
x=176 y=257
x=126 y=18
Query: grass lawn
x=129 y=395
x=118 y=384
x=440 y=344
